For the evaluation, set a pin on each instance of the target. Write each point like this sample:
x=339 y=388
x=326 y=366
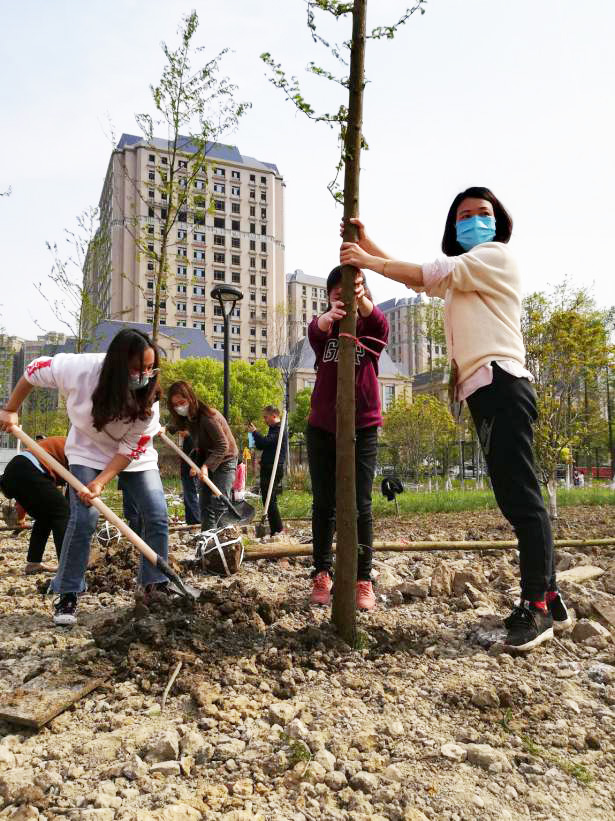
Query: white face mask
x=182 y=410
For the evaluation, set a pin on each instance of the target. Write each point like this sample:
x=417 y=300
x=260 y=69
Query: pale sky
x=517 y=96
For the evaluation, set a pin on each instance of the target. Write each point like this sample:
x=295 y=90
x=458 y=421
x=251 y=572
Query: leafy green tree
x=251 y=388
x=298 y=418
x=417 y=433
x=194 y=106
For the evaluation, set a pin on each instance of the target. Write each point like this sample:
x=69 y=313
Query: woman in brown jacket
x=216 y=448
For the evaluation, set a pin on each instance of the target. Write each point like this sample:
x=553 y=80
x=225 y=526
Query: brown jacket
x=214 y=440
x=54 y=445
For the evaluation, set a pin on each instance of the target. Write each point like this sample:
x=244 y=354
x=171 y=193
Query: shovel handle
x=167 y=440
x=109 y=515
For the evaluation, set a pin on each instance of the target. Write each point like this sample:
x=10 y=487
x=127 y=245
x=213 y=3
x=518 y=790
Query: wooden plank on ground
x=580 y=573
x=44 y=697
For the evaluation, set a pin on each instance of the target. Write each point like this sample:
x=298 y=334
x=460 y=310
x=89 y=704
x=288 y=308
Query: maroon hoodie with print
x=367 y=391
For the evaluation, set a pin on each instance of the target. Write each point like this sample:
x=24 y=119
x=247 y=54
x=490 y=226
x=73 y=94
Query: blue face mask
x=474 y=230
x=135 y=383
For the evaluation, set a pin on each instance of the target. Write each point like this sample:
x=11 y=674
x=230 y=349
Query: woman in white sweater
x=480 y=284
x=112 y=403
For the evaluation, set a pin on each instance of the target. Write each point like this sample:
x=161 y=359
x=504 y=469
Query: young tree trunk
x=552 y=494
x=344 y=597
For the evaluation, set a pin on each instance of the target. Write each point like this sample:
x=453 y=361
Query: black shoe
x=528 y=626
x=559 y=611
x=64 y=609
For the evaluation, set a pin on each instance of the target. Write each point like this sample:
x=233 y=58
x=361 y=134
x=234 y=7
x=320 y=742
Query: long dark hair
x=113 y=398
x=503 y=220
x=196 y=407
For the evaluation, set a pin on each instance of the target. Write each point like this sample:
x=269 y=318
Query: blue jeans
x=190 y=488
x=144 y=492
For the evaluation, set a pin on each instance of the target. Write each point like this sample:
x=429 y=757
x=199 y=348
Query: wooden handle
x=278 y=448
x=109 y=515
x=189 y=461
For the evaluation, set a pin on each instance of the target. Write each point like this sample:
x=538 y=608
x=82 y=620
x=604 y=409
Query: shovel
x=261 y=528
x=143 y=548
x=238 y=513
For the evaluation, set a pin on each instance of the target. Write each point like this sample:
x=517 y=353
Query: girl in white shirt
x=112 y=403
x=481 y=287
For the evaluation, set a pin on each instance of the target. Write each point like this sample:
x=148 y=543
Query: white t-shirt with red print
x=76 y=377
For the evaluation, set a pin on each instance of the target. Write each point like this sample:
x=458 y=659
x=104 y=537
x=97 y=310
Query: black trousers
x=321 y=458
x=273 y=514
x=504 y=413
x=45 y=504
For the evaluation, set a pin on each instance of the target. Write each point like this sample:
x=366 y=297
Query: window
x=150 y=266
x=199 y=219
x=182 y=270
x=323 y=307
x=264 y=350
x=219 y=172
x=263 y=247
x=199 y=184
x=304 y=304
x=198 y=254
x=183 y=217
x=219 y=276
x=263 y=196
x=199 y=236
x=218 y=240
x=235 y=259
x=164 y=160
x=236 y=329
x=235 y=225
x=304 y=290
x=182 y=164
x=252 y=297
x=235 y=348
x=151 y=194
x=236 y=312
x=199 y=273
x=152 y=158
x=389 y=395
x=252 y=245
x=263 y=297
x=252 y=279
x=304 y=318
x=181 y=323
x=198 y=309
x=163 y=213
x=219 y=205
x=150 y=285
x=181 y=289
x=263 y=213
x=182 y=252
x=163 y=304
x=182 y=234
x=236 y=175
x=183 y=182
x=263 y=230
x=219 y=188
x=151 y=175
x=199 y=325
x=235 y=276
x=252 y=331
x=164 y=196
x=181 y=307
x=252 y=314
x=217 y=310
x=252 y=348
x=220 y=258
x=263 y=180
x=198 y=290
x=314 y=306
x=163 y=321
x=235 y=207
x=263 y=331
x=252 y=210
x=253 y=228
x=235 y=190
x=264 y=281
x=150 y=228
x=235 y=242
x=150 y=247
x=252 y=195
x=264 y=264
x=150 y=303
x=219 y=222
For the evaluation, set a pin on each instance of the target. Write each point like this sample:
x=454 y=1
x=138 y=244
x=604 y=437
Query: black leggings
x=504 y=413
x=38 y=495
x=321 y=457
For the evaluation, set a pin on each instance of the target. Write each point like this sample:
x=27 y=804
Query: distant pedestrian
x=268 y=444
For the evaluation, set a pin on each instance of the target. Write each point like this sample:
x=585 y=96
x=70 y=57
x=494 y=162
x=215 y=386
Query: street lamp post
x=227 y=296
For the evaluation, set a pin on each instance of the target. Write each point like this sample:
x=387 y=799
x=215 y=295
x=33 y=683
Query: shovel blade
x=237 y=513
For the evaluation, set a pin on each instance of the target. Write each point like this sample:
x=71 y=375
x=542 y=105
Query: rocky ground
x=272 y=717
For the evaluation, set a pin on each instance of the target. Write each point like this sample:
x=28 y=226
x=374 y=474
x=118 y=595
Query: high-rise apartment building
x=236 y=238
x=306 y=298
x=416 y=342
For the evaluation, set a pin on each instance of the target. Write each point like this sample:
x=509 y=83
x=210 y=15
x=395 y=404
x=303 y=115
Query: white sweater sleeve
x=488 y=268
x=43 y=372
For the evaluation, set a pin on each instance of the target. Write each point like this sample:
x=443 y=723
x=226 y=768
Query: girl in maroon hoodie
x=323 y=334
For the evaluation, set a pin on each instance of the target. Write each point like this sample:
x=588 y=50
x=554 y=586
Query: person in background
x=34 y=486
x=112 y=405
x=216 y=449
x=480 y=283
x=268 y=445
x=239 y=485
x=190 y=484
x=323 y=334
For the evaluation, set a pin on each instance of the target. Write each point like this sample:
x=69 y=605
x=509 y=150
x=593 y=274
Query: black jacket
x=268 y=445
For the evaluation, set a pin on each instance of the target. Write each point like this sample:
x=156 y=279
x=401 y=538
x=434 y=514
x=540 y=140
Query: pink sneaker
x=321 y=589
x=366 y=600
